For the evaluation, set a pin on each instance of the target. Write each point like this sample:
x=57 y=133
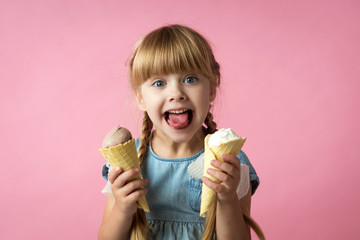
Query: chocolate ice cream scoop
x=117 y=135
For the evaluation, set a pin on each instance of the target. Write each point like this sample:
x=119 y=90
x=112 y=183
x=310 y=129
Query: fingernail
x=213 y=162
x=208 y=170
x=136 y=170
x=117 y=168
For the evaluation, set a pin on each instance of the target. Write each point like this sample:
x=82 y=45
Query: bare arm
x=118 y=214
x=114 y=225
x=230 y=223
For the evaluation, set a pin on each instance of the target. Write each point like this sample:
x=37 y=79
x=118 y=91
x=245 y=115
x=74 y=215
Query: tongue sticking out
x=178 y=120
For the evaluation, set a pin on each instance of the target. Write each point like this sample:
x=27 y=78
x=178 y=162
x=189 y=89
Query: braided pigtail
x=211 y=214
x=140 y=224
x=145 y=137
x=251 y=222
x=209 y=122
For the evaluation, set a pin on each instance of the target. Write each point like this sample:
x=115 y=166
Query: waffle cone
x=125 y=156
x=233 y=147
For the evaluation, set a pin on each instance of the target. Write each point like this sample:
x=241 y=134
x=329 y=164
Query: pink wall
x=290 y=76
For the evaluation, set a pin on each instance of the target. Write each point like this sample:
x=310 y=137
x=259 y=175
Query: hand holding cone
x=123 y=155
x=232 y=147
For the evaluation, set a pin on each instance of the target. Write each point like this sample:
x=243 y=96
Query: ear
x=140 y=101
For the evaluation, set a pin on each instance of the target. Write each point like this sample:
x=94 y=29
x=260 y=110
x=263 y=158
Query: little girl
x=174 y=76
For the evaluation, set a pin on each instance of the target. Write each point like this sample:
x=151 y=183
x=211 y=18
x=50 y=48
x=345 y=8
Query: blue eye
x=190 y=79
x=159 y=83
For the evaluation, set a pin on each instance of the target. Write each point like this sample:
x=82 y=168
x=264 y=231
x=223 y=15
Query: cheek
x=153 y=106
x=148 y=100
x=205 y=97
x=204 y=104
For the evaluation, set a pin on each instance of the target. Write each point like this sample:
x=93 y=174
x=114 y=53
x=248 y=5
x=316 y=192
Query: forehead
x=178 y=76
x=164 y=53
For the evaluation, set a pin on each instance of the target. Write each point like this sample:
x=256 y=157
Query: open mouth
x=178 y=118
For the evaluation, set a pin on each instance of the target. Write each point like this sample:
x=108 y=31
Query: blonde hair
x=173 y=49
x=166 y=50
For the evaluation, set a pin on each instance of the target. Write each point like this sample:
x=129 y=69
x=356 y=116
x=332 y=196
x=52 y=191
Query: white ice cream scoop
x=222 y=136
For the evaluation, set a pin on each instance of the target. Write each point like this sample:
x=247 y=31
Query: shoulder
x=243 y=158
x=105 y=171
x=254 y=178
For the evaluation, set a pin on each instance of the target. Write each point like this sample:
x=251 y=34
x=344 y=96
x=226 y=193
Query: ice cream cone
x=232 y=147
x=125 y=156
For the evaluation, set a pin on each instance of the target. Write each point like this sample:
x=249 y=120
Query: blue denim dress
x=174 y=197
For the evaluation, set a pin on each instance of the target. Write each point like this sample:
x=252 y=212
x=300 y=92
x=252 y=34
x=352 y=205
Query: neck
x=166 y=148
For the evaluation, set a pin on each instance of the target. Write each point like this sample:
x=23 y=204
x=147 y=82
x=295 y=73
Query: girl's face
x=177 y=104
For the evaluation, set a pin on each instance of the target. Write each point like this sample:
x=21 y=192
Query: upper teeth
x=178 y=111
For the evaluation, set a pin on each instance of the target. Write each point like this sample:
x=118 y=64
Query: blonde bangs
x=172 y=49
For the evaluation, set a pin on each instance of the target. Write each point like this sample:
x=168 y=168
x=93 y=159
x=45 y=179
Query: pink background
x=290 y=76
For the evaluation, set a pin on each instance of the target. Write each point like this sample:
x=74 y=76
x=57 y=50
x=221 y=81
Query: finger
x=125 y=177
x=232 y=160
x=134 y=186
x=136 y=195
x=221 y=176
x=226 y=167
x=114 y=173
x=217 y=187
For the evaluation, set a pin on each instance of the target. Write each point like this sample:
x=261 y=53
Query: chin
x=184 y=135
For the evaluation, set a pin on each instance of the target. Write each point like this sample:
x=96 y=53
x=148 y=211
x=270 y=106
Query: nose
x=177 y=93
